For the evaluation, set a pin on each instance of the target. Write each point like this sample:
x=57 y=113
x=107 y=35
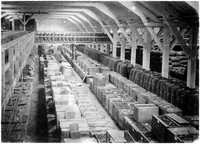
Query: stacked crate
x=172 y=90
x=172 y=128
x=67 y=113
x=130 y=112
x=141 y=95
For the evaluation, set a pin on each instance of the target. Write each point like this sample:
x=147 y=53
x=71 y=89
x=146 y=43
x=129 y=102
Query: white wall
x=56 y=25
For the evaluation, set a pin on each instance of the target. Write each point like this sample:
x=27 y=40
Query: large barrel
x=129 y=67
x=142 y=79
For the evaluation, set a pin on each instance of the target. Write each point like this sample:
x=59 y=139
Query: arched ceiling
x=98 y=14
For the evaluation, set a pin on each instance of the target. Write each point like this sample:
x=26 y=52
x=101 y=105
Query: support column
x=114 y=49
x=123 y=45
x=146 y=51
x=133 y=49
x=24 y=22
x=108 y=49
x=191 y=68
x=2 y=76
x=165 y=54
x=102 y=48
x=13 y=24
x=93 y=45
x=11 y=69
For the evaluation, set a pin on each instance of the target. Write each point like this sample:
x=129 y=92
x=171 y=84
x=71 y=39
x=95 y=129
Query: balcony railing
x=53 y=37
x=7 y=36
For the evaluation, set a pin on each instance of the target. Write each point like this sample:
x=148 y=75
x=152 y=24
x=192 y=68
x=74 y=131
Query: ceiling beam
x=75 y=24
x=174 y=42
x=130 y=6
x=4 y=14
x=158 y=34
x=146 y=11
x=194 y=4
x=178 y=37
x=79 y=21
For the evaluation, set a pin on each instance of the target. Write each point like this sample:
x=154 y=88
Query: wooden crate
x=99 y=92
x=107 y=77
x=131 y=91
x=126 y=98
x=136 y=130
x=115 y=136
x=93 y=70
x=99 y=80
x=126 y=86
x=104 y=69
x=115 y=79
x=160 y=125
x=95 y=90
x=182 y=134
x=165 y=107
x=111 y=102
x=118 y=136
x=121 y=114
x=144 y=112
x=142 y=98
x=104 y=95
x=120 y=82
x=117 y=107
x=107 y=100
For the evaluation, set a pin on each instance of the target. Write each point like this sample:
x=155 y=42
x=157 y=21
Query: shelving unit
x=14 y=55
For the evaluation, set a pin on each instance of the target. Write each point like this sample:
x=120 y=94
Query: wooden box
x=103 y=99
x=131 y=93
x=115 y=136
x=121 y=114
x=104 y=69
x=111 y=102
x=107 y=100
x=93 y=70
x=144 y=112
x=126 y=98
x=107 y=77
x=120 y=82
x=142 y=98
x=160 y=125
x=185 y=134
x=112 y=77
x=95 y=90
x=126 y=86
x=99 y=92
x=119 y=109
x=99 y=80
x=115 y=79
x=137 y=130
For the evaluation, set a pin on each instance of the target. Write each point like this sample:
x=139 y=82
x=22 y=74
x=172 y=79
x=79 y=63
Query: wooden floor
x=37 y=123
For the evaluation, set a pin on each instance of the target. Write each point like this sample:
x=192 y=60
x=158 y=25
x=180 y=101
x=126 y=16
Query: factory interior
x=100 y=71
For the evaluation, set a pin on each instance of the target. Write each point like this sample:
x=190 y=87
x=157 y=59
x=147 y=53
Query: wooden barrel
x=146 y=81
x=150 y=82
x=141 y=82
x=173 y=94
x=135 y=80
x=158 y=87
x=133 y=75
x=123 y=70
